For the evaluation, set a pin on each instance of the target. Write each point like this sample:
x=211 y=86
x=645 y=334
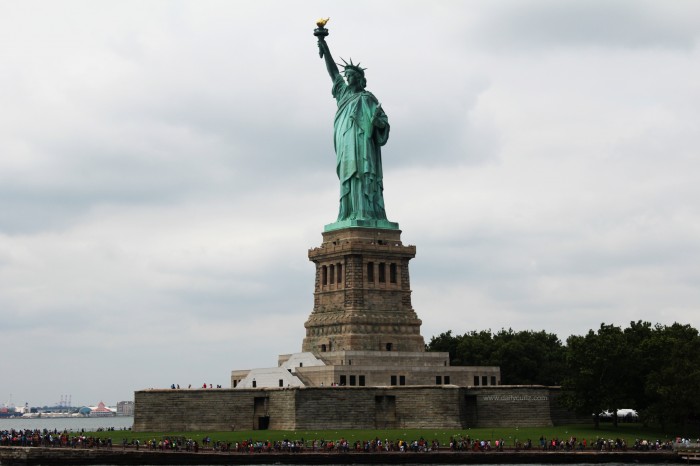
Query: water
x=74 y=424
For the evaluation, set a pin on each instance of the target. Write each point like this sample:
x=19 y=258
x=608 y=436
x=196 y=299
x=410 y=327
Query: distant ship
x=6 y=412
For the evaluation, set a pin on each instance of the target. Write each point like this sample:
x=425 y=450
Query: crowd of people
x=53 y=439
x=285 y=446
x=66 y=439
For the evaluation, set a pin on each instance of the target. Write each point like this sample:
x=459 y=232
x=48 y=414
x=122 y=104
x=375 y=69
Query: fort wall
x=411 y=407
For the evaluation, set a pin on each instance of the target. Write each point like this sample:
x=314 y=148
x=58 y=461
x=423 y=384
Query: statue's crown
x=351 y=66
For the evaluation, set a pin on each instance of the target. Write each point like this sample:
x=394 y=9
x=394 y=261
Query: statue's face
x=353 y=78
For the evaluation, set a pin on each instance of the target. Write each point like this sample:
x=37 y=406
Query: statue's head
x=352 y=72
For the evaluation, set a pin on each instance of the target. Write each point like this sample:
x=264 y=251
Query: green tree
x=525 y=358
x=642 y=357
x=596 y=371
x=529 y=357
x=475 y=349
x=445 y=343
x=673 y=384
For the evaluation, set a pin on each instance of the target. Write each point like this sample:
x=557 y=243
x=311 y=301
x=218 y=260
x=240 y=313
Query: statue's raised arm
x=323 y=51
x=330 y=64
x=361 y=128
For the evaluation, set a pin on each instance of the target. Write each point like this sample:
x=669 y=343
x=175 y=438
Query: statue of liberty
x=361 y=128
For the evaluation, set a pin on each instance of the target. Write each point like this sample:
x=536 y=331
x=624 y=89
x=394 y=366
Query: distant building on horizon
x=125 y=408
x=101 y=411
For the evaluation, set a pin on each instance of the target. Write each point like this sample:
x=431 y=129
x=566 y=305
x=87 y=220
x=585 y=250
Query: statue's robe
x=358 y=153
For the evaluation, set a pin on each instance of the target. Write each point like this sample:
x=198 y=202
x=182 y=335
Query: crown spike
x=351 y=66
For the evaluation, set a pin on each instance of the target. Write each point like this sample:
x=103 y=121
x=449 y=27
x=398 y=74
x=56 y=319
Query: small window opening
x=332 y=273
x=382 y=272
x=392 y=273
x=370 y=272
x=324 y=275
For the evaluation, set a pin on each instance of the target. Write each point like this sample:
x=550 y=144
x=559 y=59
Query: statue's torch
x=321 y=32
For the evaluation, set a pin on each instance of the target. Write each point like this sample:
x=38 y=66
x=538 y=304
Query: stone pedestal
x=362 y=294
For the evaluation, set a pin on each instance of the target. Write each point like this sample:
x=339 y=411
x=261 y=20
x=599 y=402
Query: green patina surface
x=361 y=128
x=383 y=224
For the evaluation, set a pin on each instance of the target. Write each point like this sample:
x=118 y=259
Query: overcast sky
x=165 y=167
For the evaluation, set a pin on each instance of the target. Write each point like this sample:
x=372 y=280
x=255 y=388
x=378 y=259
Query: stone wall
x=212 y=409
x=334 y=408
x=505 y=406
x=349 y=407
x=397 y=375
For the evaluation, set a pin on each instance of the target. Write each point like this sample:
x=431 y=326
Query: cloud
x=549 y=24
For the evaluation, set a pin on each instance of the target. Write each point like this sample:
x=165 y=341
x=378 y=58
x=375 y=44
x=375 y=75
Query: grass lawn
x=629 y=432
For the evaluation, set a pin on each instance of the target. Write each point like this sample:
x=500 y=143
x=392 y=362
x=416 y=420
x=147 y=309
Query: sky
x=165 y=166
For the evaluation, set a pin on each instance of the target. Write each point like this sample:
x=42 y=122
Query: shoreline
x=26 y=456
